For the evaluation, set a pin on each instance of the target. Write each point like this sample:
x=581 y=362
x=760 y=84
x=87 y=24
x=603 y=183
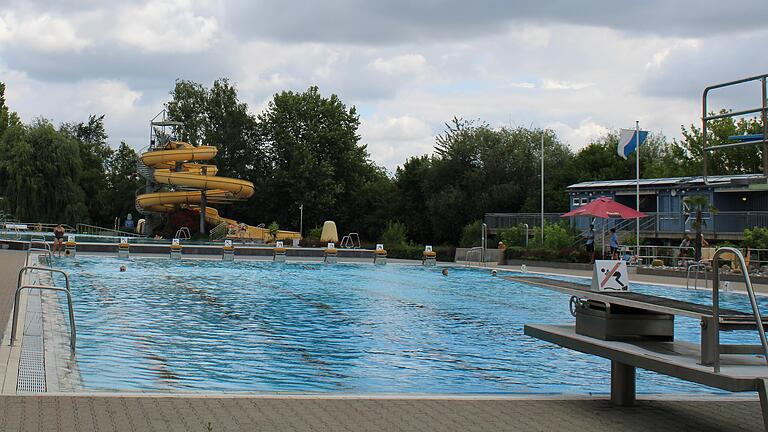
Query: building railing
x=497 y=221
x=723 y=222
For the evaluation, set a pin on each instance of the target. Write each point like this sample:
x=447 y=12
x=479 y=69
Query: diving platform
x=636 y=330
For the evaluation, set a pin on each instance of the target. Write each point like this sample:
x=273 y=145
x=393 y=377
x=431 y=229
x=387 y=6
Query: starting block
x=175 y=249
x=123 y=248
x=330 y=254
x=279 y=252
x=228 y=251
x=428 y=257
x=380 y=255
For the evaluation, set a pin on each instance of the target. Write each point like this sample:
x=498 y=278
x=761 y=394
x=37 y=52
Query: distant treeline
x=305 y=148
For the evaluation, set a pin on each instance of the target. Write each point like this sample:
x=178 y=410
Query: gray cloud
x=397 y=21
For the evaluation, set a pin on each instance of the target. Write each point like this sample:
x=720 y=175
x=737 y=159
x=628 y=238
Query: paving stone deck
x=219 y=414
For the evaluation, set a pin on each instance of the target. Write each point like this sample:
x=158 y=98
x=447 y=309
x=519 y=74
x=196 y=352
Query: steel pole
x=637 y=183
x=542 y=188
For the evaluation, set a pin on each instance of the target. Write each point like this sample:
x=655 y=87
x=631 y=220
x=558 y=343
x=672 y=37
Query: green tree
x=123 y=181
x=95 y=153
x=314 y=158
x=43 y=174
x=471 y=234
x=687 y=153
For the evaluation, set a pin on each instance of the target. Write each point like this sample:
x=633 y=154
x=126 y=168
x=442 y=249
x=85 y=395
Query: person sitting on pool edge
x=58 y=239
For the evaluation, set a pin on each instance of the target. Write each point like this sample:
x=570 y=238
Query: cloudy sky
x=579 y=67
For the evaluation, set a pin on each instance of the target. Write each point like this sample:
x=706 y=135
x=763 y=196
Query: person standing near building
x=614 y=244
x=590 y=246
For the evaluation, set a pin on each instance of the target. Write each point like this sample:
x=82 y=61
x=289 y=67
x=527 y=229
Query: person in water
x=58 y=239
x=122 y=268
x=445 y=271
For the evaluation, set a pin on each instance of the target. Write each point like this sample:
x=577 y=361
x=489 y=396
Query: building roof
x=661 y=183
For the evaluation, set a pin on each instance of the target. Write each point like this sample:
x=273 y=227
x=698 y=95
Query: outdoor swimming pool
x=205 y=325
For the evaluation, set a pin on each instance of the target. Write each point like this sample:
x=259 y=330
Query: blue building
x=741 y=202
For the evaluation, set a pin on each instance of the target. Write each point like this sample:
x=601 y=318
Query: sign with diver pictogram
x=610 y=275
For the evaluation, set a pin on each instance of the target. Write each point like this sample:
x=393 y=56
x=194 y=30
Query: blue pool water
x=200 y=325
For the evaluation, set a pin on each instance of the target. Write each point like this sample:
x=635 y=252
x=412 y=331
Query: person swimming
x=445 y=271
x=122 y=268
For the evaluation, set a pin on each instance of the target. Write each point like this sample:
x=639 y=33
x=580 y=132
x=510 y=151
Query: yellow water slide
x=202 y=177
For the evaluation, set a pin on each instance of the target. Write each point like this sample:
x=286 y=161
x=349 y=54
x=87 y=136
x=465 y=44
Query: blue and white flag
x=628 y=141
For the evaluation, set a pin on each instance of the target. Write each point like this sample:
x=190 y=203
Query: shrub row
x=567 y=254
x=413 y=252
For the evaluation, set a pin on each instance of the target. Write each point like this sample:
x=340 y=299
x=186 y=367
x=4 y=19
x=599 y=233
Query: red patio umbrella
x=604 y=208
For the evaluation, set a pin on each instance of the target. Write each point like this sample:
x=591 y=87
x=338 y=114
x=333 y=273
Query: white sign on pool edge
x=71 y=238
x=123 y=240
x=610 y=275
x=227 y=243
x=331 y=246
x=427 y=248
x=379 y=246
x=279 y=244
x=175 y=242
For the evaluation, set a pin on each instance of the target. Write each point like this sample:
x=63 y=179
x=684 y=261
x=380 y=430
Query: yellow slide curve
x=203 y=177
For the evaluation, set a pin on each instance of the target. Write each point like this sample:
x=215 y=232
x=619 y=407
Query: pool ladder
x=21 y=287
x=711 y=335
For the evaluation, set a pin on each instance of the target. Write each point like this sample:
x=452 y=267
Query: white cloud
x=166 y=26
x=550 y=84
x=400 y=65
x=580 y=135
x=522 y=85
x=43 y=33
x=391 y=140
x=109 y=97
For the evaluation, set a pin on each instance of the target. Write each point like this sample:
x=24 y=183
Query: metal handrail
x=97 y=230
x=50 y=254
x=66 y=289
x=699 y=266
x=716 y=302
x=705 y=117
x=24 y=270
x=348 y=241
x=474 y=249
x=183 y=230
x=39 y=240
x=72 y=329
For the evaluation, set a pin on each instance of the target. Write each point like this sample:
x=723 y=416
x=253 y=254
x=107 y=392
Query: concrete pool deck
x=252 y=412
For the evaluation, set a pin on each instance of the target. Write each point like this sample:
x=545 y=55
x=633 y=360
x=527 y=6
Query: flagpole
x=637 y=184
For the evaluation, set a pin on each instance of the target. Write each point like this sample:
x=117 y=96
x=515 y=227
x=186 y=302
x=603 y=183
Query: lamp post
x=301 y=220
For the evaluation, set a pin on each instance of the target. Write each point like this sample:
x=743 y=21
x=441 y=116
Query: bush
x=394 y=235
x=273 y=229
x=314 y=234
x=756 y=238
x=471 y=234
x=514 y=236
x=558 y=237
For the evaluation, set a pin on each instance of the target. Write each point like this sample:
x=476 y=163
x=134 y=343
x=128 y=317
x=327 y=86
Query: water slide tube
x=198 y=176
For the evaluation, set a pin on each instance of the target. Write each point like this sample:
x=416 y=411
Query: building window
x=575 y=202
x=584 y=201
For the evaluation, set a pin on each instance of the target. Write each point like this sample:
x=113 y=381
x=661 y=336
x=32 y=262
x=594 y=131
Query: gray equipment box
x=614 y=322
